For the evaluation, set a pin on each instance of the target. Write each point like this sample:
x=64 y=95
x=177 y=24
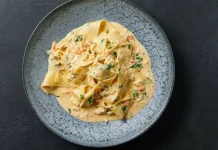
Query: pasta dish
x=99 y=72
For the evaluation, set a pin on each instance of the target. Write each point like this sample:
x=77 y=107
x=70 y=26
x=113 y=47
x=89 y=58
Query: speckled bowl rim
x=160 y=111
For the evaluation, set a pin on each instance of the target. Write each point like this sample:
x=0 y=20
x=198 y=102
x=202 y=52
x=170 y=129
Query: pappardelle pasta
x=99 y=72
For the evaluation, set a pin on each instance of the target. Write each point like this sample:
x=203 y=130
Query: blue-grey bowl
x=55 y=26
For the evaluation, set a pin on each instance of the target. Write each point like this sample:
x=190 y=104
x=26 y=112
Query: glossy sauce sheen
x=87 y=112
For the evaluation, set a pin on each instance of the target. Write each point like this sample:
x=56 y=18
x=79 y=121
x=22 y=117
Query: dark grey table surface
x=190 y=121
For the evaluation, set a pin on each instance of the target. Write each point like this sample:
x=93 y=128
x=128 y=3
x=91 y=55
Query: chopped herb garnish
x=109 y=66
x=66 y=57
x=79 y=38
x=144 y=95
x=124 y=109
x=135 y=95
x=59 y=64
x=138 y=57
x=70 y=66
x=139 y=65
x=107 y=31
x=102 y=40
x=82 y=96
x=136 y=65
x=119 y=69
x=129 y=46
x=115 y=53
x=90 y=100
x=107 y=109
x=69 y=110
x=110 y=47
x=48 y=52
x=120 y=86
x=57 y=96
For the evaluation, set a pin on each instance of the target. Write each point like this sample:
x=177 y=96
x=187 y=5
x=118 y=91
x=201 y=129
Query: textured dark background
x=190 y=121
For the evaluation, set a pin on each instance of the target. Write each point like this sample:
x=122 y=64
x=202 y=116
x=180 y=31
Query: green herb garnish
x=59 y=64
x=138 y=57
x=110 y=47
x=119 y=69
x=136 y=65
x=129 y=46
x=82 y=96
x=90 y=100
x=107 y=31
x=109 y=66
x=79 y=38
x=124 y=109
x=144 y=95
x=66 y=57
x=115 y=53
x=57 y=96
x=135 y=95
x=102 y=40
x=69 y=110
x=120 y=86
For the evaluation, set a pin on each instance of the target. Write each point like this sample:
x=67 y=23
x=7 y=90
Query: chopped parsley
x=136 y=66
x=144 y=95
x=90 y=100
x=129 y=46
x=124 y=109
x=110 y=47
x=115 y=53
x=48 y=52
x=69 y=110
x=102 y=40
x=57 y=96
x=109 y=66
x=120 y=86
x=59 y=64
x=138 y=57
x=82 y=96
x=119 y=69
x=135 y=95
x=79 y=38
x=66 y=57
x=107 y=31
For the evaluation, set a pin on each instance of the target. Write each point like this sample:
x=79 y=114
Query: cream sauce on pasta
x=100 y=72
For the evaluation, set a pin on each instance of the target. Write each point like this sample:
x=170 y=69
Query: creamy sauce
x=94 y=112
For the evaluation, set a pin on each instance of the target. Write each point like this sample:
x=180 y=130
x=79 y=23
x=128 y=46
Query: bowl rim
x=131 y=137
